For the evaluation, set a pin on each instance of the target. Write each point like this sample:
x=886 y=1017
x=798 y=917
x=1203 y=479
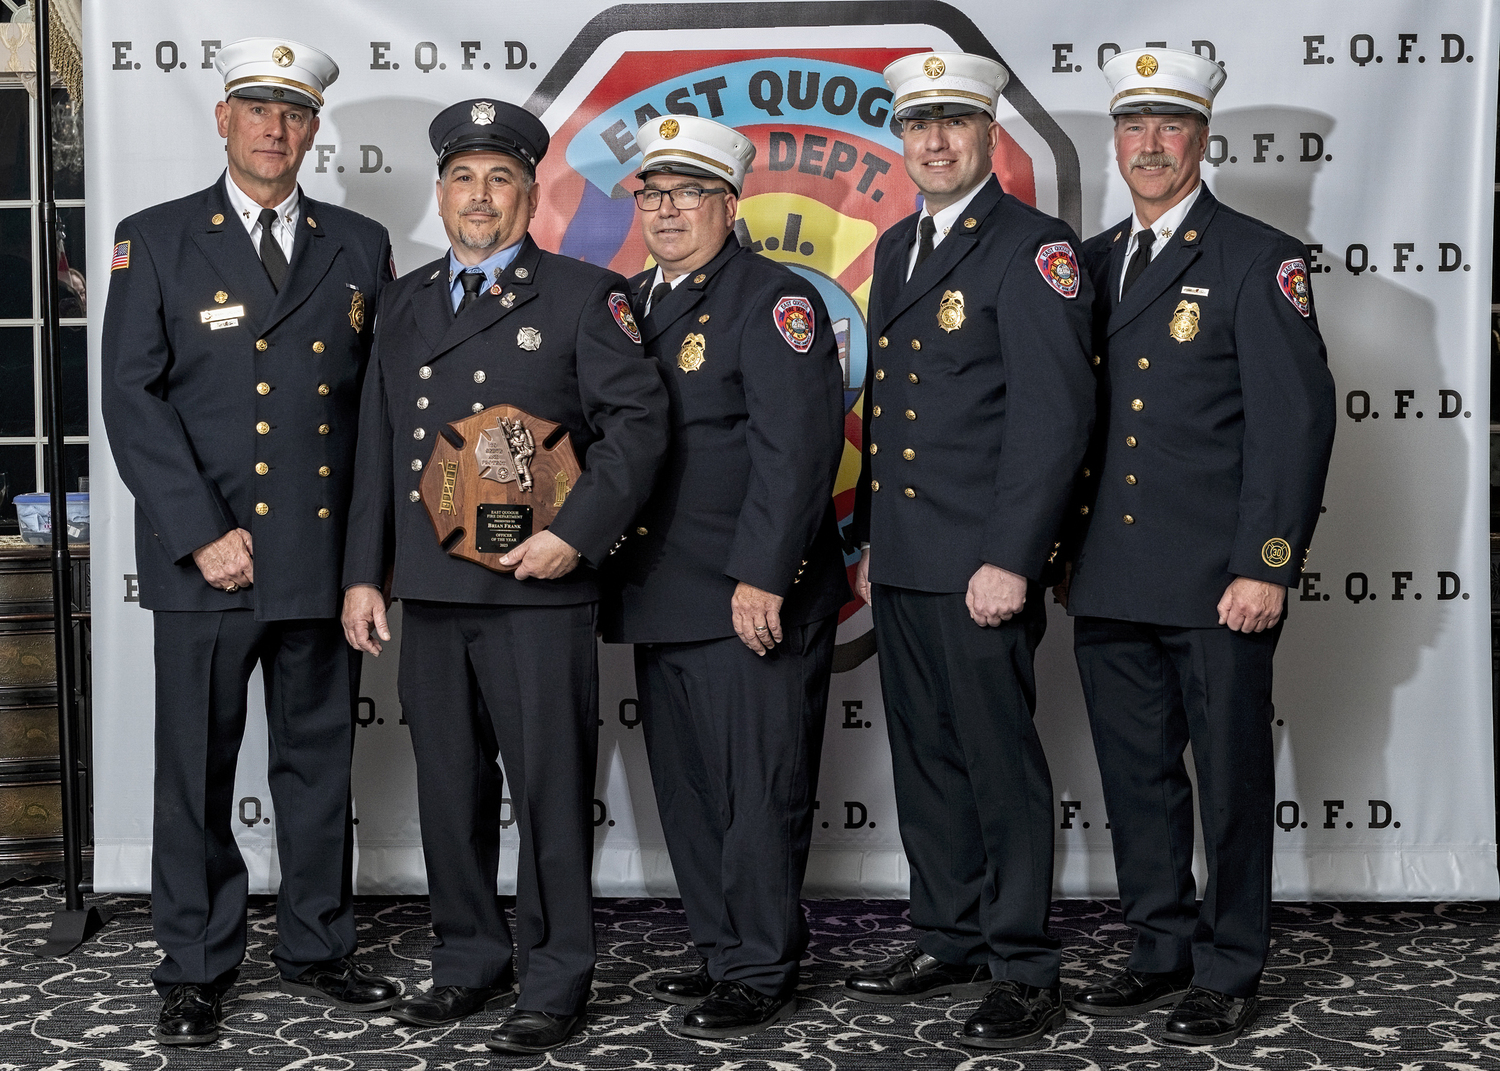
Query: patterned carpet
x=1394 y=987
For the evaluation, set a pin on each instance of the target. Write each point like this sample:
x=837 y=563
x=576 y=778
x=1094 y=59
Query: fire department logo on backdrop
x=828 y=177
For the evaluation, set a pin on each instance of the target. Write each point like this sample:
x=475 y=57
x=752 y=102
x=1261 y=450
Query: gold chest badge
x=1184 y=325
x=951 y=311
x=357 y=311
x=690 y=358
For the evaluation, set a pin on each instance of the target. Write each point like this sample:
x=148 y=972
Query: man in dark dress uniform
x=496 y=663
x=730 y=580
x=1216 y=417
x=977 y=412
x=235 y=341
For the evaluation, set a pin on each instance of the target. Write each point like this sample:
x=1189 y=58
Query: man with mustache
x=496 y=664
x=730 y=580
x=977 y=409
x=237 y=333
x=1216 y=417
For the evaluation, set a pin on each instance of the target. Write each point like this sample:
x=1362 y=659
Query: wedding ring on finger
x=232 y=587
x=761 y=628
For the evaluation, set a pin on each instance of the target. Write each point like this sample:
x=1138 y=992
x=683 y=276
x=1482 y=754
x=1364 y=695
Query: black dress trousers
x=520 y=682
x=735 y=742
x=973 y=792
x=198 y=879
x=1150 y=690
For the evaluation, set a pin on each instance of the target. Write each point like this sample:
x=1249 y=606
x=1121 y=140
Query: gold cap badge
x=934 y=67
x=1146 y=66
x=283 y=56
x=482 y=114
x=669 y=128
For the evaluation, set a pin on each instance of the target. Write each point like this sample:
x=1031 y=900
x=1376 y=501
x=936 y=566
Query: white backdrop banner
x=1365 y=130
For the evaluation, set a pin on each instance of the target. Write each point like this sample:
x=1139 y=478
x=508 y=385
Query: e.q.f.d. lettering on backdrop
x=1384 y=751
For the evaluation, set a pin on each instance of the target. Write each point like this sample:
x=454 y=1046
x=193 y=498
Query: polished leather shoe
x=1132 y=992
x=1203 y=1017
x=916 y=976
x=344 y=984
x=733 y=1009
x=1014 y=1016
x=687 y=988
x=528 y=1032
x=189 y=1016
x=448 y=1003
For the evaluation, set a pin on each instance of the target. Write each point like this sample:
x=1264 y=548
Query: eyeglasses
x=683 y=197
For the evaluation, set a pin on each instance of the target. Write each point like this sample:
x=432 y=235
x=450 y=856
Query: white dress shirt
x=1165 y=226
x=656 y=281
x=943 y=221
x=285 y=230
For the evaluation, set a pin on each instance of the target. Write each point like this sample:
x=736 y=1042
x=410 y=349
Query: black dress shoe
x=1132 y=992
x=916 y=976
x=1014 y=1016
x=528 y=1032
x=687 y=988
x=344 y=984
x=448 y=1003
x=1203 y=1017
x=733 y=1009
x=189 y=1016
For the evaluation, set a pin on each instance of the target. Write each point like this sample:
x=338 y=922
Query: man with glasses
x=730 y=580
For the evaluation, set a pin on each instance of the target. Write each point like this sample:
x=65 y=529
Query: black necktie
x=658 y=293
x=925 y=230
x=271 y=255
x=1138 y=262
x=471 y=281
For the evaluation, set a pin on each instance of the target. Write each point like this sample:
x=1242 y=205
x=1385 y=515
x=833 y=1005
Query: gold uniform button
x=641 y=531
x=916 y=343
x=1095 y=360
x=1129 y=519
x=909 y=454
x=263 y=428
x=1130 y=440
x=323 y=388
x=913 y=377
x=261 y=468
x=263 y=388
x=882 y=342
x=262 y=345
x=324 y=429
x=1087 y=473
x=874 y=448
x=324 y=470
x=1137 y=405
x=911 y=414
x=318 y=347
x=1083 y=511
x=324 y=513
x=880 y=373
x=874 y=485
x=414 y=496
x=911 y=492
x=262 y=509
x=876 y=411
x=1143 y=364
x=1130 y=479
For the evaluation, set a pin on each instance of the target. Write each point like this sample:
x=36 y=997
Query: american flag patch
x=121 y=258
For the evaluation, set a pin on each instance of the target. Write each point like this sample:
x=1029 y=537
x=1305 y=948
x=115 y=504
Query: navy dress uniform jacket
x=195 y=410
x=972 y=436
x=1214 y=447
x=746 y=492
x=430 y=367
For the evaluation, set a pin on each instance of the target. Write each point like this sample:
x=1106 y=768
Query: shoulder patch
x=1059 y=267
x=619 y=308
x=121 y=259
x=794 y=319
x=1292 y=278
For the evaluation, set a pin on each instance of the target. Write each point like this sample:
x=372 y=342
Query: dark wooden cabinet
x=30 y=770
